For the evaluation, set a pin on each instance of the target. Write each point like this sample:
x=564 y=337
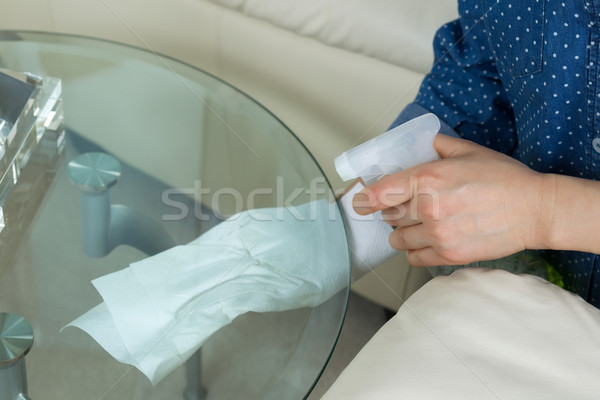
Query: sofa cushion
x=481 y=334
x=395 y=31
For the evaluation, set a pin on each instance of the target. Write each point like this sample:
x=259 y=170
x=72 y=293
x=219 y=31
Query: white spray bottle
x=400 y=148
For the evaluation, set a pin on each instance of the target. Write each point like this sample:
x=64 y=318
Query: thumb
x=448 y=146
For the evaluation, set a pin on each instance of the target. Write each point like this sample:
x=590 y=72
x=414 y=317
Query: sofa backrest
x=394 y=31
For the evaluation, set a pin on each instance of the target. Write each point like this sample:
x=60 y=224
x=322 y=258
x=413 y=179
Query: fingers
x=392 y=190
x=401 y=215
x=410 y=238
x=426 y=257
x=421 y=247
x=387 y=192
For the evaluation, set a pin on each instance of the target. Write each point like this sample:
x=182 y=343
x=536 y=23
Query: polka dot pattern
x=523 y=78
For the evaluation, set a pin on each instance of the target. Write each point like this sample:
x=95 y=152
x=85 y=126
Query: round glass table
x=192 y=150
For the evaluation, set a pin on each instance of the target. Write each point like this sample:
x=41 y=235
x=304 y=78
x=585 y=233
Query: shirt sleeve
x=464 y=89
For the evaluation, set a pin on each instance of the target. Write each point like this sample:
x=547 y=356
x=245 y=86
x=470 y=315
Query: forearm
x=570 y=214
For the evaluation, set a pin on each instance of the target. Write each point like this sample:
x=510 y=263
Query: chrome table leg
x=16 y=339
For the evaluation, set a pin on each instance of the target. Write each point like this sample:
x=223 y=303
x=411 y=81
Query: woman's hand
x=474 y=204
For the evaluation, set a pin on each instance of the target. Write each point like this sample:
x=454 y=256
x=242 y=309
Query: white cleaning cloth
x=367 y=236
x=159 y=311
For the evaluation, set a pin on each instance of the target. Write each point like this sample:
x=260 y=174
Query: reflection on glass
x=30 y=112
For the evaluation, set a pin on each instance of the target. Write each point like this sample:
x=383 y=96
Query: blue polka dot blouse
x=523 y=78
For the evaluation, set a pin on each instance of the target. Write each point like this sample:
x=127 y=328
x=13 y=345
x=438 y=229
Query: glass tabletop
x=192 y=151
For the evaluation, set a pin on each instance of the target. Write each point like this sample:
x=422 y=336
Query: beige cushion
x=481 y=334
x=395 y=31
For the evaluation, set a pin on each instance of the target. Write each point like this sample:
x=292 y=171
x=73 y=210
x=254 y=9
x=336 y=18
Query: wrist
x=568 y=217
x=544 y=233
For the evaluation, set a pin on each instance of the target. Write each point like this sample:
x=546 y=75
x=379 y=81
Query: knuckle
x=393 y=213
x=415 y=258
x=424 y=176
x=428 y=177
x=425 y=208
x=397 y=240
x=443 y=234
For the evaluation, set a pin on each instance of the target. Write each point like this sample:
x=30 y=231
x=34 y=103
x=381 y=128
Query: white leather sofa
x=481 y=334
x=336 y=72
